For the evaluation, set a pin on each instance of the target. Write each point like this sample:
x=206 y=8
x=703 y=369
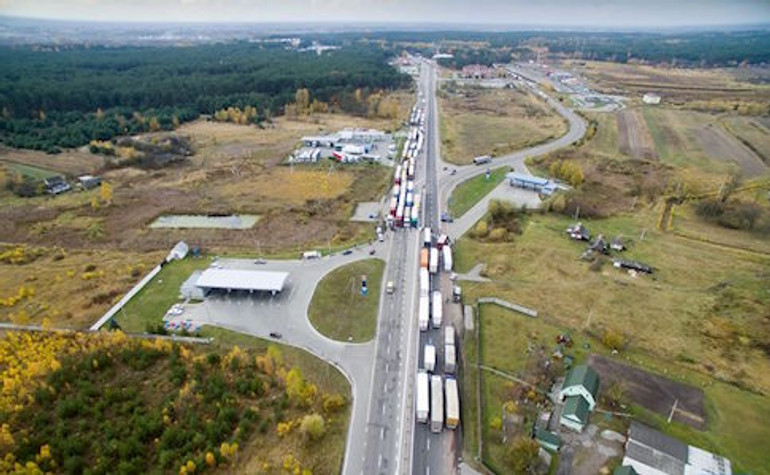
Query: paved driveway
x=286 y=313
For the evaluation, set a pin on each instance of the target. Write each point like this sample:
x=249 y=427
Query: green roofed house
x=582 y=381
x=547 y=440
x=575 y=413
x=625 y=470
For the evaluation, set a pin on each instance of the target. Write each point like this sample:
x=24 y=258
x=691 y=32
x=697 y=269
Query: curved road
x=515 y=160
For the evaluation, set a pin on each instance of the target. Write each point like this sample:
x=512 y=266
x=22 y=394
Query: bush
x=313 y=426
x=613 y=340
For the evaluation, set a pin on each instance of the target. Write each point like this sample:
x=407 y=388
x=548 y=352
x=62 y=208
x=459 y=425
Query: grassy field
x=753 y=133
x=715 y=290
x=507 y=340
x=475 y=121
x=235 y=169
x=470 y=192
x=30 y=171
x=71 y=288
x=339 y=311
x=147 y=308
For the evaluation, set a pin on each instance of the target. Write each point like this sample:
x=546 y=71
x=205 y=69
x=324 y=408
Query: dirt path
x=633 y=135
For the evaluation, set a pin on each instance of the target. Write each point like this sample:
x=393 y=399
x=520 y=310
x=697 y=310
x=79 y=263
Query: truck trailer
x=449 y=335
x=422 y=313
x=433 y=260
x=424 y=282
x=429 y=358
x=426 y=237
x=423 y=397
x=438 y=309
x=447 y=255
x=452 y=404
x=436 y=404
x=424 y=258
x=450 y=359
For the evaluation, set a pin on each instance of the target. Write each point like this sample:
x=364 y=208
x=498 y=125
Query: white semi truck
x=426 y=237
x=438 y=309
x=447 y=255
x=436 y=404
x=423 y=397
x=424 y=282
x=429 y=358
x=433 y=262
x=422 y=315
x=452 y=404
x=449 y=335
x=450 y=359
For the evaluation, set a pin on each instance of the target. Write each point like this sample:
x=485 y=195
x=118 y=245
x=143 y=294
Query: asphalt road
x=448 y=182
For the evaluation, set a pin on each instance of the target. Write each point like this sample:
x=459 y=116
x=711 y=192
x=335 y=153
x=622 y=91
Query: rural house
x=547 y=440
x=56 y=184
x=650 y=452
x=579 y=393
x=582 y=381
x=579 y=232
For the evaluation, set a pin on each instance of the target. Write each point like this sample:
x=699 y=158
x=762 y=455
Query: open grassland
x=70 y=288
x=235 y=169
x=477 y=121
x=510 y=342
x=683 y=86
x=101 y=401
x=339 y=311
x=705 y=304
x=753 y=133
x=145 y=311
x=470 y=192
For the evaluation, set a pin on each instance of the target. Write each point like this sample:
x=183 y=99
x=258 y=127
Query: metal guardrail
x=122 y=302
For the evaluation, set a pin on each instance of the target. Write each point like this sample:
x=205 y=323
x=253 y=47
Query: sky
x=557 y=13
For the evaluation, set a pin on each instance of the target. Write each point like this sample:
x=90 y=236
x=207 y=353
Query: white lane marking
x=427 y=441
x=382 y=433
x=379 y=461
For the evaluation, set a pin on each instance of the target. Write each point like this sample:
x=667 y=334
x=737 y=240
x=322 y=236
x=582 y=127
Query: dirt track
x=653 y=392
x=633 y=136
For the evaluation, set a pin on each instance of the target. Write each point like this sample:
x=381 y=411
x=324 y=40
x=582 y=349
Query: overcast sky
x=577 y=13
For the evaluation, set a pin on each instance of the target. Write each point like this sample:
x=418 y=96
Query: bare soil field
x=236 y=169
x=654 y=392
x=476 y=121
x=719 y=145
x=753 y=132
x=634 y=137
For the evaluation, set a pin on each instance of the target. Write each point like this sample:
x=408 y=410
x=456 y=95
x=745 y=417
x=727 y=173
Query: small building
x=625 y=470
x=575 y=413
x=213 y=279
x=477 y=71
x=651 y=98
x=579 y=232
x=547 y=440
x=190 y=289
x=179 y=251
x=600 y=245
x=617 y=244
x=527 y=181
x=88 y=182
x=650 y=452
x=581 y=381
x=632 y=265
x=56 y=184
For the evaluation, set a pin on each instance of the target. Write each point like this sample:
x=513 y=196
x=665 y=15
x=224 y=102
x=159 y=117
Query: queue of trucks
x=405 y=202
x=437 y=396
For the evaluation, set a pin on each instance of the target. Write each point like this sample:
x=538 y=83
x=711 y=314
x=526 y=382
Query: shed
x=88 y=182
x=575 y=413
x=526 y=181
x=581 y=381
x=179 y=251
x=547 y=440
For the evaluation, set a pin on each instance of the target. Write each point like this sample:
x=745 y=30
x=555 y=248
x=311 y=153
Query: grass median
x=339 y=311
x=470 y=192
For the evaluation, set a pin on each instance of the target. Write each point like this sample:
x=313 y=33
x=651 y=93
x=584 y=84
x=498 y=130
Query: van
x=390 y=287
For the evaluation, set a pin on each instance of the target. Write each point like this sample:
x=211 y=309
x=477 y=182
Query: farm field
x=512 y=343
x=677 y=85
x=697 y=140
x=71 y=288
x=753 y=132
x=634 y=136
x=339 y=311
x=476 y=121
x=235 y=169
x=705 y=304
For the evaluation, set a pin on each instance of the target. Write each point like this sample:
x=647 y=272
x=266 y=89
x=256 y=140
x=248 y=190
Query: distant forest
x=66 y=98
x=694 y=49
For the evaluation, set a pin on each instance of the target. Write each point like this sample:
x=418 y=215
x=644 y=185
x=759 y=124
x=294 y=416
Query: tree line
x=66 y=98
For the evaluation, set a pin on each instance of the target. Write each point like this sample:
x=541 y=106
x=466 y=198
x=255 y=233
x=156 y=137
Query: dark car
x=371 y=252
x=276 y=335
x=347 y=252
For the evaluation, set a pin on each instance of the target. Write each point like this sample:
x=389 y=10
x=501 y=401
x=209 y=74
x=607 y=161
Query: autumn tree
x=302 y=100
x=522 y=455
x=154 y=124
x=613 y=340
x=105 y=192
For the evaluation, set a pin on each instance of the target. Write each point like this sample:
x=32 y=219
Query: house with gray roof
x=650 y=452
